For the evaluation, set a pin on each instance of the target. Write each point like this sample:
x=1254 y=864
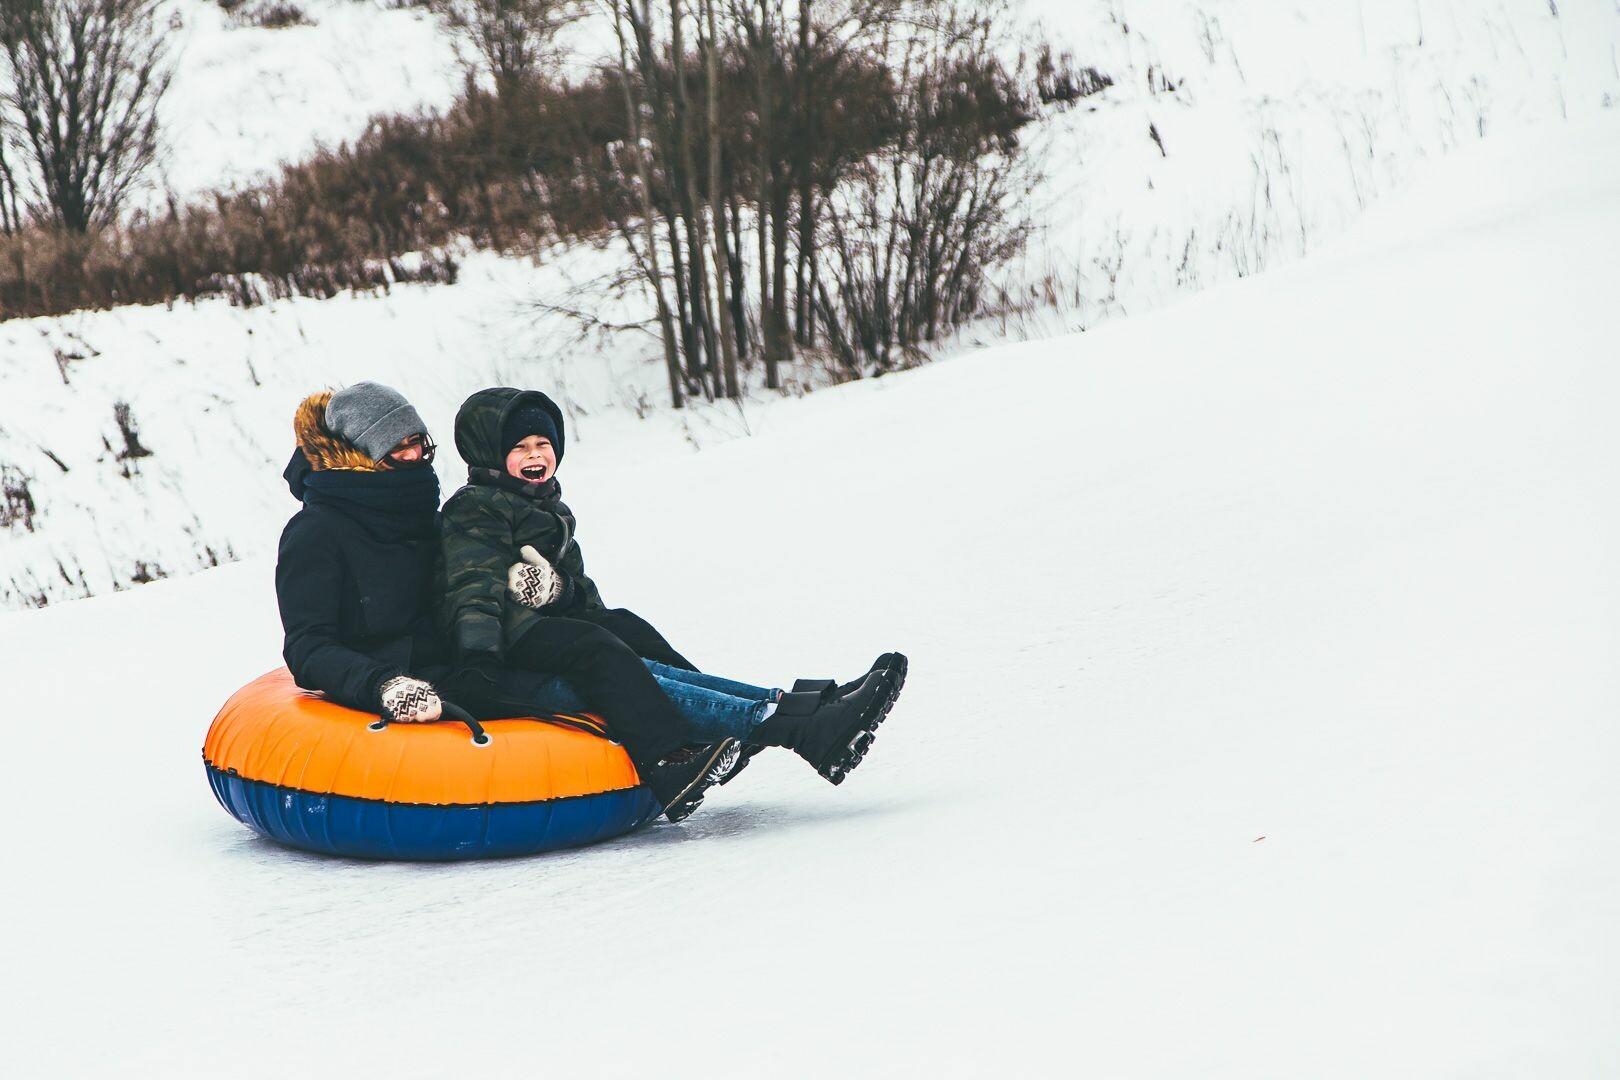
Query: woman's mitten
x=534 y=583
x=408 y=700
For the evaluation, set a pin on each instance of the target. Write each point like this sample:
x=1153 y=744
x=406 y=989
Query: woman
x=354 y=569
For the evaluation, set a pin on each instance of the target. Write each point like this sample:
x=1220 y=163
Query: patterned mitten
x=533 y=582
x=408 y=700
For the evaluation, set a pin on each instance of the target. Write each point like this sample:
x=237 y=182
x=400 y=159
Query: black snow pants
x=637 y=633
x=606 y=671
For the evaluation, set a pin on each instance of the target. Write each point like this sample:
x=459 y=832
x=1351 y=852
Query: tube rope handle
x=448 y=710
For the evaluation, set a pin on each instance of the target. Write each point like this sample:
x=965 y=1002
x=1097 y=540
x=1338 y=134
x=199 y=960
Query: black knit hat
x=528 y=419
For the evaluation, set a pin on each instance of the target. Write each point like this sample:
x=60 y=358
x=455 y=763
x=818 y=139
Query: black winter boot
x=829 y=688
x=679 y=779
x=824 y=689
x=832 y=732
x=828 y=691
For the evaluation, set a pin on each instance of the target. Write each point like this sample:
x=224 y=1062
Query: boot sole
x=839 y=768
x=721 y=764
x=743 y=757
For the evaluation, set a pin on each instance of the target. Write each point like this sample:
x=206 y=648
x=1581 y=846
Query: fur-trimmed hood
x=318 y=448
x=323 y=448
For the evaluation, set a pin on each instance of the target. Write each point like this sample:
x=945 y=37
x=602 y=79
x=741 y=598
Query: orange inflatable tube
x=404 y=788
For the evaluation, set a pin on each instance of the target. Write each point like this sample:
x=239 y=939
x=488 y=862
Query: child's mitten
x=408 y=700
x=534 y=583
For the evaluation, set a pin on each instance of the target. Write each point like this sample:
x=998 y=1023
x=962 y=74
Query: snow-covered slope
x=246 y=99
x=1237 y=135
x=1261 y=722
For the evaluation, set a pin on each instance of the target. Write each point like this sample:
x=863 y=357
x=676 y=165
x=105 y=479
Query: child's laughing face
x=532 y=459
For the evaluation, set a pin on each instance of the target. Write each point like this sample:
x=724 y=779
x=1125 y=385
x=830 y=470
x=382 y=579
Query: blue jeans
x=714 y=708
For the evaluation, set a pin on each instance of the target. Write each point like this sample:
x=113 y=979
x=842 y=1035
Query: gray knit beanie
x=373 y=418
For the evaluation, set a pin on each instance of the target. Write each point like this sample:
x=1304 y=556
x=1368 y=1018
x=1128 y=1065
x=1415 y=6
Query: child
x=544 y=615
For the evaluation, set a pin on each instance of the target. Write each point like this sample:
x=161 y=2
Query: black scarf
x=395 y=504
x=548 y=493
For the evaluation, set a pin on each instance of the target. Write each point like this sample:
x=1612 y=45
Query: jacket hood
x=320 y=446
x=482 y=416
x=296 y=472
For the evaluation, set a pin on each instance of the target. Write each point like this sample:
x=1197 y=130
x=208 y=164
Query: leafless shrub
x=507 y=39
x=277 y=16
x=1060 y=81
x=81 y=82
x=252 y=253
x=911 y=235
x=16 y=501
x=125 y=420
x=266 y=14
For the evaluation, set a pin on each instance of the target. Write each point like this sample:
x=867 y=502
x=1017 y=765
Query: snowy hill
x=247 y=99
x=143 y=442
x=1260 y=724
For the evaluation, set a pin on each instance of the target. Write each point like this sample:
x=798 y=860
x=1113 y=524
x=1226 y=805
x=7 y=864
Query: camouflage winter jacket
x=487 y=521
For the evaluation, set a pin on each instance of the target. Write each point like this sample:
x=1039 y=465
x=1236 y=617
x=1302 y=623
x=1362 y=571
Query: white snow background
x=1261 y=721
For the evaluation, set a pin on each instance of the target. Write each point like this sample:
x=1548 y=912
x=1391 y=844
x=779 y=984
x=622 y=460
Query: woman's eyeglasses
x=423 y=445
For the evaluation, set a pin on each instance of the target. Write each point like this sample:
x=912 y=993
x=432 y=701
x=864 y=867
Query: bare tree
x=508 y=38
x=878 y=138
x=710 y=46
x=85 y=78
x=648 y=260
x=661 y=70
x=912 y=233
x=766 y=62
x=696 y=221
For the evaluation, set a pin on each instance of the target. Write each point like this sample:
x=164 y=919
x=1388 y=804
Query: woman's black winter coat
x=357 y=607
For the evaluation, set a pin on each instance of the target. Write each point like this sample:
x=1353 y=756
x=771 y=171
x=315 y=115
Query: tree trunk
x=734 y=267
x=672 y=359
x=717 y=207
x=778 y=321
x=764 y=55
x=11 y=220
x=683 y=307
x=696 y=222
x=804 y=77
x=673 y=192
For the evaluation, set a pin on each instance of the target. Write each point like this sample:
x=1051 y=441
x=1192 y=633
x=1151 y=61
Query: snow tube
x=315 y=775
